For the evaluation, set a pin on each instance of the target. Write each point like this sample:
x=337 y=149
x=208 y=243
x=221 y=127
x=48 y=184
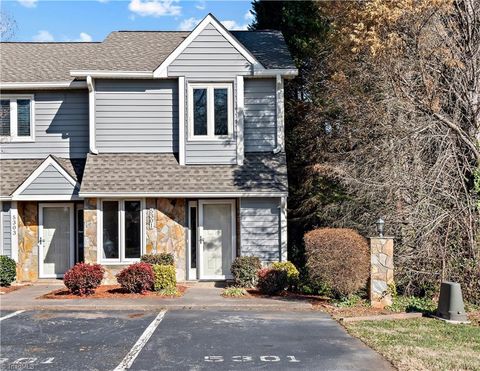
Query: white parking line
x=142 y=340
x=11 y=315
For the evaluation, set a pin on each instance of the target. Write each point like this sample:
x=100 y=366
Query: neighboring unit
x=146 y=142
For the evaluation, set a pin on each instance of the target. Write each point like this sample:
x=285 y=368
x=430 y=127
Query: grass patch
x=234 y=292
x=423 y=343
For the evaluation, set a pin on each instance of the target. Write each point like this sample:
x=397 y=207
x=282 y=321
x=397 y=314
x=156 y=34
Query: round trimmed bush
x=163 y=258
x=272 y=281
x=138 y=278
x=82 y=279
x=244 y=270
x=292 y=272
x=8 y=270
x=165 y=277
x=338 y=258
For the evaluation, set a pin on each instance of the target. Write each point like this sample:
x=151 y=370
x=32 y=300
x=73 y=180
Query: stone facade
x=27 y=267
x=381 y=272
x=165 y=232
x=165 y=228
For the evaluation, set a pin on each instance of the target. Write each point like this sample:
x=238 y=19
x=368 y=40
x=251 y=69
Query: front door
x=56 y=239
x=216 y=229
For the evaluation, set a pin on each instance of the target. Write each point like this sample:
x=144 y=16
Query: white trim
x=181 y=120
x=91 y=115
x=47 y=198
x=240 y=120
x=17 y=195
x=283 y=229
x=280 y=113
x=186 y=194
x=5 y=198
x=121 y=260
x=111 y=74
x=42 y=206
x=162 y=70
x=14 y=229
x=210 y=87
x=43 y=85
x=192 y=273
x=287 y=73
x=13 y=137
x=201 y=204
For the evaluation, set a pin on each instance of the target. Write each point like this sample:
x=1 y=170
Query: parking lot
x=180 y=340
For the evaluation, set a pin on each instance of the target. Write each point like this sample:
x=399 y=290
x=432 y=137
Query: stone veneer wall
x=165 y=232
x=165 y=227
x=27 y=267
x=381 y=272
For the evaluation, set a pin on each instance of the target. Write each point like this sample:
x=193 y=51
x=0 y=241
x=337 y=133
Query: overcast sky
x=39 y=20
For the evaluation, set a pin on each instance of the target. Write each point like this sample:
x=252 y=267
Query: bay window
x=17 y=118
x=210 y=111
x=122 y=229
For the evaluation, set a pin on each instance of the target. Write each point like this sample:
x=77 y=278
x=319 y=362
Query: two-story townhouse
x=145 y=142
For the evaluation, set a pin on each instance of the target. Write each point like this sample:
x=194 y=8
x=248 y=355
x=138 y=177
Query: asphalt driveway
x=180 y=340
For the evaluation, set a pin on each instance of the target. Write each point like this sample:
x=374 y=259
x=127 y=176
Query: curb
x=381 y=317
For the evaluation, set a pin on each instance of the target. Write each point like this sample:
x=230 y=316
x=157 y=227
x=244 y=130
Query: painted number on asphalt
x=266 y=358
x=26 y=363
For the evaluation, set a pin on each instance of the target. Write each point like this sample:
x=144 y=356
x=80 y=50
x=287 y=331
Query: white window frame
x=13 y=137
x=121 y=260
x=210 y=111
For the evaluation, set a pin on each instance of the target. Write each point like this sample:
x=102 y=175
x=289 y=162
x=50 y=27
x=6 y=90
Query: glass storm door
x=216 y=238
x=56 y=239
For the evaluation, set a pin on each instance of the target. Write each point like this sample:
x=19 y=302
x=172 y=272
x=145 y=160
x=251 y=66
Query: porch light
x=380 y=224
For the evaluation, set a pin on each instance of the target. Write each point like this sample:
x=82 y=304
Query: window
x=16 y=118
x=211 y=111
x=122 y=230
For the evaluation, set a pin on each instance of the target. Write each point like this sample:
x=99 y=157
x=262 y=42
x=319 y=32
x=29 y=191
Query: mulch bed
x=7 y=289
x=110 y=292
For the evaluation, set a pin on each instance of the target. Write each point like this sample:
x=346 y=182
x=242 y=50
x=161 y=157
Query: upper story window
x=211 y=111
x=16 y=118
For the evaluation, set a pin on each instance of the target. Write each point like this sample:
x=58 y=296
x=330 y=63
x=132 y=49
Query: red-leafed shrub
x=138 y=277
x=83 y=279
x=338 y=258
x=272 y=281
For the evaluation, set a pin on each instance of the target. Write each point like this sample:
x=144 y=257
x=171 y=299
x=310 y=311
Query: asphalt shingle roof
x=121 y=51
x=161 y=173
x=14 y=172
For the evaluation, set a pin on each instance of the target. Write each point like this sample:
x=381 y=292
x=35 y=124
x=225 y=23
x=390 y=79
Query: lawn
x=423 y=343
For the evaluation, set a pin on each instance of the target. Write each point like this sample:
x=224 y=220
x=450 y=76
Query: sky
x=93 y=20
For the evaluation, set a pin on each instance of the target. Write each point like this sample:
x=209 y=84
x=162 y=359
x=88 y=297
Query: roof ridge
x=51 y=42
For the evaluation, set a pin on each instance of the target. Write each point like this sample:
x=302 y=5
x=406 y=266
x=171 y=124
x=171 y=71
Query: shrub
x=83 y=279
x=137 y=277
x=163 y=258
x=413 y=304
x=339 y=258
x=8 y=270
x=234 y=292
x=244 y=270
x=292 y=272
x=165 y=277
x=272 y=281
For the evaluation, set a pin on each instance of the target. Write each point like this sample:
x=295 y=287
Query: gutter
x=112 y=74
x=183 y=194
x=43 y=85
x=91 y=115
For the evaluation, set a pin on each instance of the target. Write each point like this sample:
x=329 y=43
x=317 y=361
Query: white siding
x=50 y=182
x=6 y=235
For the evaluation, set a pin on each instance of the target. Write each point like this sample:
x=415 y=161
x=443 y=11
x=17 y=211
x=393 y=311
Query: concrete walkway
x=196 y=297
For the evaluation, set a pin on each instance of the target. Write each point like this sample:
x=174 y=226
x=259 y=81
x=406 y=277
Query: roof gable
x=208 y=23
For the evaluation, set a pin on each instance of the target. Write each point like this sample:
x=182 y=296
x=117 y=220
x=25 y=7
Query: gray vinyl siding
x=61 y=127
x=205 y=152
x=260 y=228
x=50 y=182
x=6 y=241
x=136 y=116
x=210 y=55
x=260 y=115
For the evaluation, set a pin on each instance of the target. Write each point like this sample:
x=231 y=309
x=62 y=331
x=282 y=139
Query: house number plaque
x=151 y=218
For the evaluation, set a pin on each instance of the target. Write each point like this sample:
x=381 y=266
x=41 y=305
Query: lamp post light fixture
x=380 y=224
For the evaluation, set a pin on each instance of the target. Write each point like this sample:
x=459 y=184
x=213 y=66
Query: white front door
x=216 y=229
x=56 y=239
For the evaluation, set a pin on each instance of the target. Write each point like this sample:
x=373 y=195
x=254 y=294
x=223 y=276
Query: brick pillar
x=90 y=230
x=381 y=271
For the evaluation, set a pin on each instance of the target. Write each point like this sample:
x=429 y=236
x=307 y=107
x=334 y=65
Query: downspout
x=91 y=115
x=280 y=115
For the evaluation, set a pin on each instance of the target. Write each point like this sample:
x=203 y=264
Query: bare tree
x=8 y=26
